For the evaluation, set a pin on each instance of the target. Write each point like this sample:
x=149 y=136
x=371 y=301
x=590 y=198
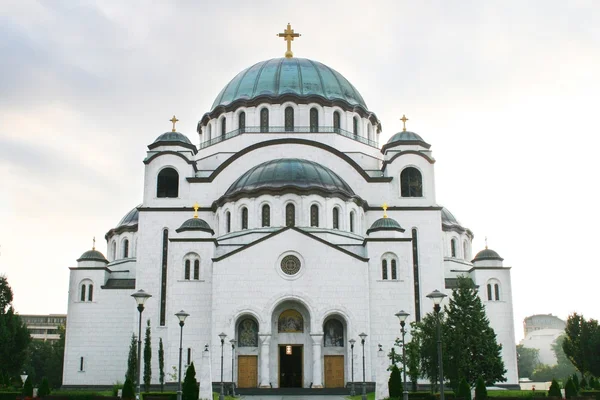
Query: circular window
x=290 y=265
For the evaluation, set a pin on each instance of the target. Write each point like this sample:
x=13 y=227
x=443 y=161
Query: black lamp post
x=402 y=315
x=181 y=315
x=352 y=341
x=140 y=298
x=222 y=335
x=437 y=297
x=363 y=336
x=233 y=342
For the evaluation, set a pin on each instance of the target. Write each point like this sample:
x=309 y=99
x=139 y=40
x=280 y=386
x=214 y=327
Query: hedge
x=9 y=395
x=159 y=396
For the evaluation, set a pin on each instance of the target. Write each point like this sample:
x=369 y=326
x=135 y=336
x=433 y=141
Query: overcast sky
x=507 y=93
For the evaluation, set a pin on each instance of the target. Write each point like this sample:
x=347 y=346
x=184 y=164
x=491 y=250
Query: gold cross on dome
x=486 y=242
x=196 y=207
x=385 y=207
x=94 y=243
x=174 y=120
x=403 y=119
x=288 y=35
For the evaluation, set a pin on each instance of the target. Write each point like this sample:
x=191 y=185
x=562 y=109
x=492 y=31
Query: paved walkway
x=295 y=397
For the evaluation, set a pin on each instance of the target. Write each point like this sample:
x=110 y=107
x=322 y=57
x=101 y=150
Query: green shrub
x=570 y=389
x=9 y=395
x=44 y=389
x=190 y=386
x=554 y=390
x=116 y=387
x=583 y=384
x=128 y=390
x=480 y=390
x=28 y=388
x=160 y=395
x=575 y=382
x=395 y=383
x=464 y=390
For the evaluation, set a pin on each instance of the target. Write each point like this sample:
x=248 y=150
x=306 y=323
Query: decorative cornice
x=405 y=143
x=120 y=229
x=405 y=208
x=190 y=146
x=430 y=160
x=148 y=160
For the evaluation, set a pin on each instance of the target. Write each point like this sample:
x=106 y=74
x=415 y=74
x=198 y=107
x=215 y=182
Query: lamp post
x=352 y=341
x=402 y=315
x=437 y=297
x=181 y=315
x=222 y=335
x=140 y=298
x=363 y=336
x=233 y=342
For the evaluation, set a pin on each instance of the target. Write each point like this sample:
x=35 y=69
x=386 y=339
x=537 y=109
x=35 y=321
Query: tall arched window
x=314 y=215
x=289 y=119
x=384 y=274
x=336 y=218
x=167 y=183
x=336 y=121
x=453 y=248
x=91 y=292
x=114 y=250
x=264 y=120
x=242 y=122
x=314 y=120
x=196 y=269
x=497 y=291
x=394 y=270
x=333 y=333
x=266 y=215
x=125 y=248
x=370 y=131
x=290 y=215
x=209 y=132
x=355 y=126
x=82 y=298
x=351 y=221
x=223 y=127
x=248 y=333
x=228 y=222
x=244 y=218
x=465 y=251
x=411 y=184
x=186 y=275
x=489 y=291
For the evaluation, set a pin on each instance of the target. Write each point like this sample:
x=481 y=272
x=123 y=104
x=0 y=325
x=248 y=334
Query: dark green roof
x=93 y=255
x=298 y=76
x=385 y=224
x=405 y=137
x=173 y=139
x=487 y=254
x=450 y=223
x=195 y=224
x=289 y=175
x=131 y=218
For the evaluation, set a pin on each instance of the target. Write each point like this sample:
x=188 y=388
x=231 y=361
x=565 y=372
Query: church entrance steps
x=290 y=393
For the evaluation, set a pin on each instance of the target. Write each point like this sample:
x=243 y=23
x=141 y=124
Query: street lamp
x=402 y=315
x=233 y=342
x=222 y=335
x=363 y=336
x=140 y=298
x=437 y=297
x=352 y=341
x=24 y=378
x=181 y=315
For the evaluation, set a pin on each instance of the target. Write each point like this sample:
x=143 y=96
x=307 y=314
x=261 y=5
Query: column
x=265 y=341
x=205 y=376
x=382 y=375
x=317 y=364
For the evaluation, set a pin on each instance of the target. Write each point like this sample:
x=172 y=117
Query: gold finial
x=174 y=120
x=403 y=119
x=486 y=242
x=385 y=207
x=288 y=35
x=196 y=207
x=94 y=243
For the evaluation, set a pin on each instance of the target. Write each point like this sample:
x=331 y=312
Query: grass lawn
x=515 y=393
x=216 y=397
x=370 y=396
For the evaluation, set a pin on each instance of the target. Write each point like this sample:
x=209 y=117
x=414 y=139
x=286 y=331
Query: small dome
x=448 y=218
x=385 y=224
x=93 y=255
x=173 y=137
x=405 y=136
x=195 y=224
x=130 y=219
x=487 y=254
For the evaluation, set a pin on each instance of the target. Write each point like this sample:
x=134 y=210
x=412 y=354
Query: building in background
x=44 y=327
x=541 y=330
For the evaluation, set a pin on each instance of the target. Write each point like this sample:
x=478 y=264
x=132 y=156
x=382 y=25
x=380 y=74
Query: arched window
x=242 y=122
x=314 y=120
x=336 y=121
x=370 y=131
x=228 y=222
x=82 y=298
x=187 y=270
x=384 y=274
x=355 y=126
x=290 y=215
x=91 y=292
x=223 y=127
x=465 y=250
x=114 y=250
x=167 y=183
x=244 y=218
x=196 y=269
x=125 y=248
x=333 y=333
x=489 y=291
x=209 y=130
x=266 y=215
x=336 y=218
x=289 y=119
x=453 y=248
x=248 y=333
x=411 y=183
x=264 y=120
x=497 y=291
x=314 y=215
x=351 y=221
x=394 y=270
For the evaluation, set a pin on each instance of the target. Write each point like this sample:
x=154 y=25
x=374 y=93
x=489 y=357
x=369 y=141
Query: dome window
x=336 y=218
x=290 y=215
x=244 y=218
x=264 y=120
x=223 y=128
x=453 y=248
x=351 y=221
x=125 y=248
x=384 y=271
x=167 y=184
x=411 y=183
x=186 y=274
x=266 y=215
x=336 y=121
x=314 y=215
x=82 y=298
x=242 y=122
x=394 y=270
x=196 y=269
x=289 y=119
x=355 y=126
x=209 y=132
x=114 y=250
x=228 y=222
x=314 y=120
x=465 y=250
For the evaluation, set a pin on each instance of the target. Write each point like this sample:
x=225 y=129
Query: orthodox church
x=268 y=230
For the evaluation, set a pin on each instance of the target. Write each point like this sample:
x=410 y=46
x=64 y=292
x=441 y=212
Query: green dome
x=286 y=175
x=385 y=224
x=93 y=255
x=173 y=137
x=487 y=254
x=282 y=76
x=405 y=136
x=195 y=224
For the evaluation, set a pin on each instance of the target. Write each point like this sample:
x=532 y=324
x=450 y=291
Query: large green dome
x=284 y=76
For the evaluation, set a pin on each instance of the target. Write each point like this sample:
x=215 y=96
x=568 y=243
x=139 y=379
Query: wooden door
x=247 y=371
x=334 y=371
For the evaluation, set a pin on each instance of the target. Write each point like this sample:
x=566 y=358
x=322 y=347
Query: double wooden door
x=334 y=371
x=247 y=371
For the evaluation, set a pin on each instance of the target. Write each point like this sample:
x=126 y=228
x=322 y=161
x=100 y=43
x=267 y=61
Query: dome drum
x=195 y=224
x=129 y=223
x=405 y=138
x=385 y=224
x=92 y=255
x=173 y=139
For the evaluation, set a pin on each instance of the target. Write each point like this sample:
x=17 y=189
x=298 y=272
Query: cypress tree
x=395 y=383
x=28 y=388
x=128 y=390
x=44 y=389
x=576 y=382
x=147 y=358
x=554 y=390
x=131 y=373
x=464 y=390
x=584 y=383
x=570 y=389
x=161 y=364
x=190 y=386
x=480 y=389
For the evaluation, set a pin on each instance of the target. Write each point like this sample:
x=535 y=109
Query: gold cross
x=385 y=207
x=174 y=120
x=196 y=207
x=288 y=35
x=486 y=242
x=403 y=119
x=94 y=243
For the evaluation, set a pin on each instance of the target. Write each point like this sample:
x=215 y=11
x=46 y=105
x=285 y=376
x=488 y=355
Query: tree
x=527 y=361
x=564 y=367
x=480 y=389
x=190 y=386
x=44 y=389
x=464 y=390
x=471 y=347
x=584 y=384
x=576 y=382
x=161 y=364
x=570 y=389
x=412 y=362
x=131 y=373
x=147 y=358
x=14 y=336
x=128 y=390
x=395 y=383
x=554 y=390
x=6 y=295
x=424 y=334
x=582 y=344
x=28 y=388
